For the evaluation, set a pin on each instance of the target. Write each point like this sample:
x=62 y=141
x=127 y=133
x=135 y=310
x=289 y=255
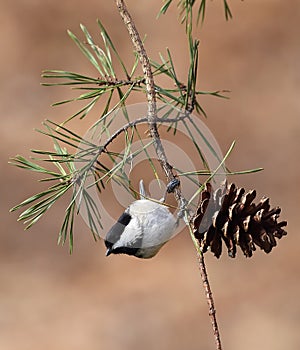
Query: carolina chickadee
x=143 y=228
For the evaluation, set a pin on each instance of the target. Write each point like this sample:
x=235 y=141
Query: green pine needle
x=186 y=8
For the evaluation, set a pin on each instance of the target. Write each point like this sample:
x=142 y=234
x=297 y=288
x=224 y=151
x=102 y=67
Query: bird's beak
x=108 y=252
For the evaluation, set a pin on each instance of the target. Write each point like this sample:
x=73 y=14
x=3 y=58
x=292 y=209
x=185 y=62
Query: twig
x=207 y=289
x=103 y=148
x=139 y=121
x=116 y=82
x=133 y=124
x=152 y=120
x=121 y=130
x=210 y=300
x=151 y=96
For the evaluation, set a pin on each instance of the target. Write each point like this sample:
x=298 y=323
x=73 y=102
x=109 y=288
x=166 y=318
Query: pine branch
x=151 y=94
x=206 y=286
x=152 y=121
x=135 y=122
x=210 y=300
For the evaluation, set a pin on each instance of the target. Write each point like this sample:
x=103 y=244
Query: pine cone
x=228 y=214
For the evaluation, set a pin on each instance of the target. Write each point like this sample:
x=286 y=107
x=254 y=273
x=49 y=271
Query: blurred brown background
x=51 y=300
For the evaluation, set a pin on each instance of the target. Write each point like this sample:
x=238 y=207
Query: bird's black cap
x=116 y=231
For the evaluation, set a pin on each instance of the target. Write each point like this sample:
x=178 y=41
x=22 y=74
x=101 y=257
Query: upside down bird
x=143 y=228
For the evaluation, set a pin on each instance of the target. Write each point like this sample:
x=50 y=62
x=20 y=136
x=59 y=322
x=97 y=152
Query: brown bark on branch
x=210 y=301
x=152 y=119
x=151 y=95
